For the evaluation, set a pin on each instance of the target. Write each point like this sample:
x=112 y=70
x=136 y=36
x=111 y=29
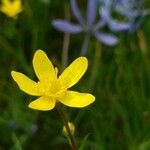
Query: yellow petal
x=76 y=99
x=4 y=2
x=25 y=84
x=43 y=67
x=73 y=73
x=17 y=3
x=43 y=103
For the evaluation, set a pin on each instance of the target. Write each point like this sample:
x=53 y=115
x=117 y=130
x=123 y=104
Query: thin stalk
x=85 y=44
x=17 y=144
x=96 y=63
x=143 y=44
x=66 y=41
x=65 y=121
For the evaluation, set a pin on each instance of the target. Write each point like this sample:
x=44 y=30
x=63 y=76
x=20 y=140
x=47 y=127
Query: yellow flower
x=72 y=129
x=51 y=88
x=11 y=8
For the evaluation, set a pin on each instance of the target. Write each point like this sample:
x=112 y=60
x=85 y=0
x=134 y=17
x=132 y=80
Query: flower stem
x=85 y=45
x=65 y=50
x=66 y=41
x=65 y=121
x=143 y=44
x=96 y=63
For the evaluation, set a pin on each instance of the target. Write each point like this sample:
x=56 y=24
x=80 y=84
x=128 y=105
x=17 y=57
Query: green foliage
x=119 y=77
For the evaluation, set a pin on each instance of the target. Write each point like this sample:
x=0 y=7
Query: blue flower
x=89 y=25
x=131 y=12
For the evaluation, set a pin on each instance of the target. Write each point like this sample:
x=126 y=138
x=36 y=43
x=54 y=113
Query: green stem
x=85 y=44
x=66 y=41
x=143 y=45
x=65 y=121
x=96 y=64
x=65 y=50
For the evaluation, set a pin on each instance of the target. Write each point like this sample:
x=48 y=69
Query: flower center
x=50 y=89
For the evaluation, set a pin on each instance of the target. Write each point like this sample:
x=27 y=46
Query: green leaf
x=84 y=142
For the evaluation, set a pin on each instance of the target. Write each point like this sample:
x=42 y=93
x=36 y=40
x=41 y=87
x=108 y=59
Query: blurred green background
x=119 y=77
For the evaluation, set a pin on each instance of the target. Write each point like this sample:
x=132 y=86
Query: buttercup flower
x=52 y=89
x=11 y=8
